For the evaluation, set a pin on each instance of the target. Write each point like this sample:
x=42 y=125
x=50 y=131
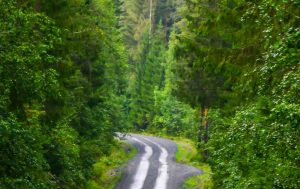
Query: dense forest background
x=224 y=73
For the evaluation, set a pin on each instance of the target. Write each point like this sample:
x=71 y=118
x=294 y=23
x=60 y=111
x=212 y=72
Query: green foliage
x=107 y=170
x=152 y=105
x=252 y=140
x=149 y=75
x=22 y=161
x=187 y=153
x=62 y=72
x=173 y=117
x=242 y=58
x=27 y=38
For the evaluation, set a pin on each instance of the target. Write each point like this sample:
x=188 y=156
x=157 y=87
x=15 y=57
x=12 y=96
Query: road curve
x=154 y=166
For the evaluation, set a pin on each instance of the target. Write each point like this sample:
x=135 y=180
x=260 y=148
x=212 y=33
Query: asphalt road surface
x=154 y=166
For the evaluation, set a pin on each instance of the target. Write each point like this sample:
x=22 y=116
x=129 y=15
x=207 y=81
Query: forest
x=222 y=73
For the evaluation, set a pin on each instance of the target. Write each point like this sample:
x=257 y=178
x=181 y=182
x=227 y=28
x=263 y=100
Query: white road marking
x=162 y=178
x=142 y=171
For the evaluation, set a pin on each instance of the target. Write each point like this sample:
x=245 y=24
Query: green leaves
x=173 y=117
x=22 y=161
x=242 y=58
x=61 y=90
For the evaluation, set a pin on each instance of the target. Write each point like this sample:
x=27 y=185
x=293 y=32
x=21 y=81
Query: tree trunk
x=201 y=113
x=150 y=16
x=205 y=137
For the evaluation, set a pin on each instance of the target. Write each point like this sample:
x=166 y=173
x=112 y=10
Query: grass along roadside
x=108 y=170
x=188 y=154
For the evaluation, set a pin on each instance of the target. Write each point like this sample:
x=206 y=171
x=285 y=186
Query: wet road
x=154 y=166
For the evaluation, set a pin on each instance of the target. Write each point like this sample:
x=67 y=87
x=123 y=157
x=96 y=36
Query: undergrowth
x=108 y=170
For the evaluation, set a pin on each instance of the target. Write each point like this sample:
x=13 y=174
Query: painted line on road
x=142 y=171
x=162 y=178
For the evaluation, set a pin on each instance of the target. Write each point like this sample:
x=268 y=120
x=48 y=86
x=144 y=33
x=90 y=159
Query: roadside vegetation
x=187 y=153
x=62 y=90
x=108 y=170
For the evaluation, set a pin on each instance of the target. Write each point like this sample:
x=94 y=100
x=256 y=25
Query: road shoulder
x=108 y=170
x=187 y=154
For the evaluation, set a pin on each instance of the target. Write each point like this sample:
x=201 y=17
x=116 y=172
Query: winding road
x=154 y=166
